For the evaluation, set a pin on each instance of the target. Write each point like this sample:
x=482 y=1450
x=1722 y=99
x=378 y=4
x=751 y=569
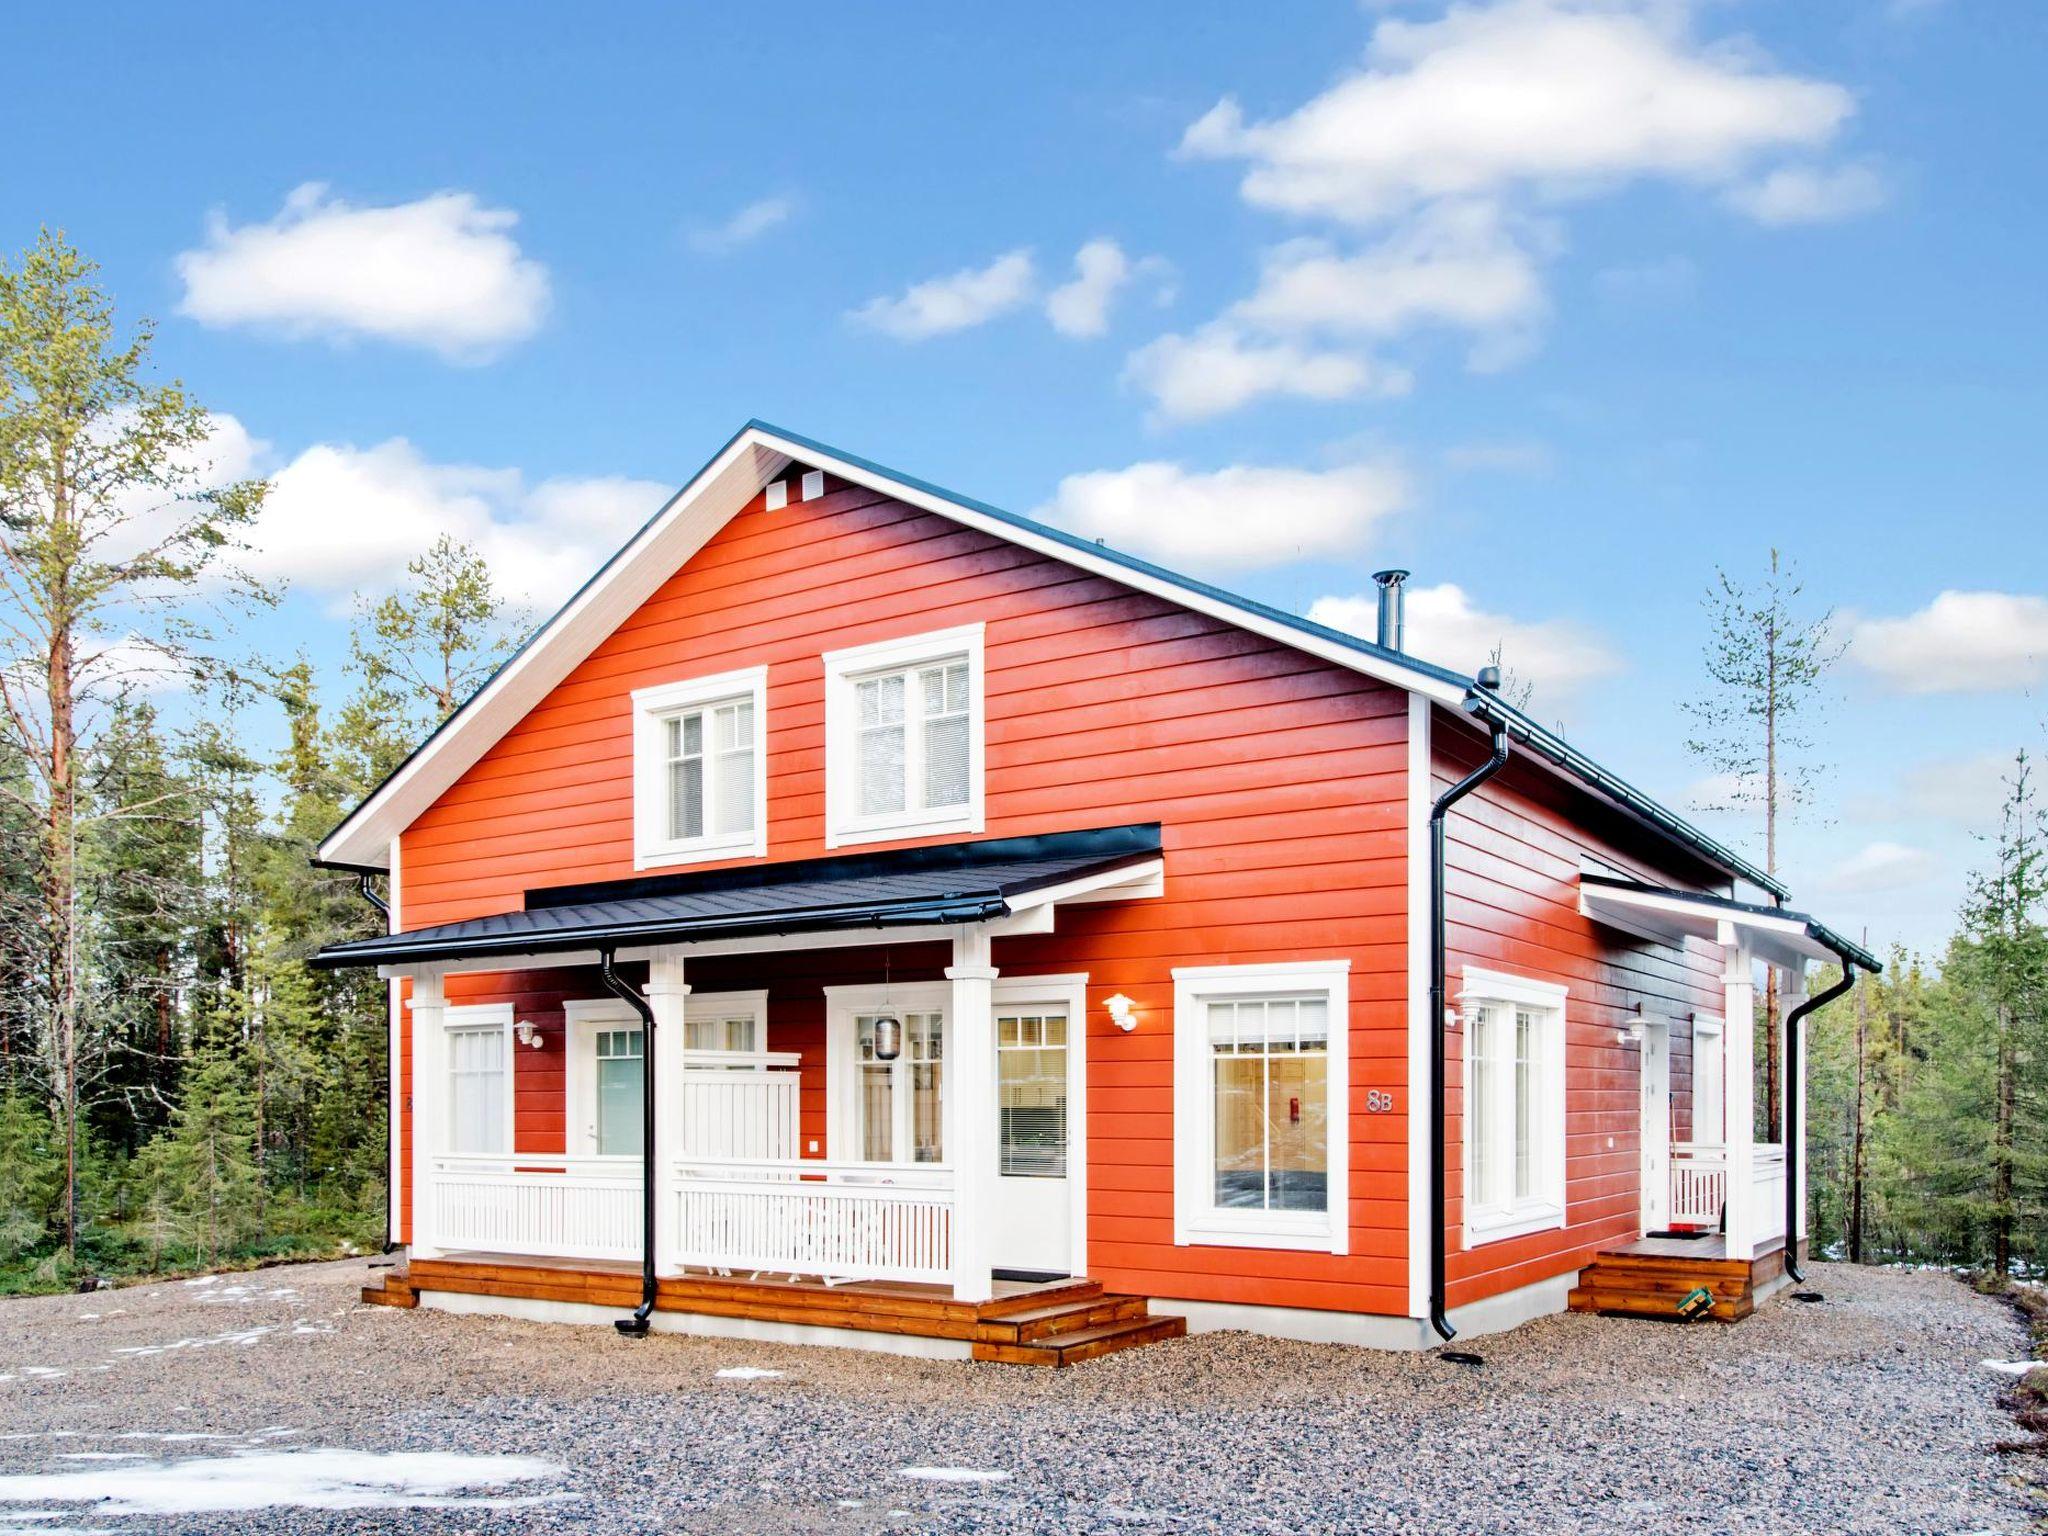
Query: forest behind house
x=179 y=1090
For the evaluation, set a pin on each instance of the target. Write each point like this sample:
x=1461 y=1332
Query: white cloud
x=745 y=226
x=1962 y=642
x=111 y=664
x=1220 y=368
x=1555 y=655
x=1240 y=516
x=341 y=518
x=1958 y=791
x=1878 y=866
x=1101 y=271
x=1558 y=96
x=1810 y=194
x=442 y=273
x=957 y=302
x=1452 y=265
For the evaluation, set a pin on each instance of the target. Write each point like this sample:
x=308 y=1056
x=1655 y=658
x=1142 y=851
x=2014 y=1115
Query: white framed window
x=478 y=1052
x=700 y=769
x=886 y=1111
x=904 y=735
x=725 y=1029
x=1709 y=1082
x=1514 y=1105
x=1261 y=1106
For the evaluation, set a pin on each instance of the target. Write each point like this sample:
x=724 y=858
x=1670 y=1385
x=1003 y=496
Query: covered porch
x=1724 y=1209
x=804 y=1095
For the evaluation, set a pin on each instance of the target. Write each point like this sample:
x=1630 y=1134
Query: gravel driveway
x=200 y=1406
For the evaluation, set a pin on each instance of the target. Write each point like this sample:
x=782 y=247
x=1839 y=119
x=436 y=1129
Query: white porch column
x=667 y=995
x=1738 y=1052
x=1791 y=993
x=429 y=1104
x=971 y=1099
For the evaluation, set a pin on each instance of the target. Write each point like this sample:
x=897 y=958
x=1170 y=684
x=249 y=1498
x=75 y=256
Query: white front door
x=1034 y=1057
x=1656 y=1132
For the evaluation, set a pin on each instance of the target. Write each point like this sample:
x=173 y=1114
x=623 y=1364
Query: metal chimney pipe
x=1392 y=618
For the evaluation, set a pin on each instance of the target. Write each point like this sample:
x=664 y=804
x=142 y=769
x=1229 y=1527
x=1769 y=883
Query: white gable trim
x=757 y=456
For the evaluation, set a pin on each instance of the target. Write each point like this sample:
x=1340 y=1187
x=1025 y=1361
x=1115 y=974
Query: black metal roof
x=1851 y=952
x=948 y=883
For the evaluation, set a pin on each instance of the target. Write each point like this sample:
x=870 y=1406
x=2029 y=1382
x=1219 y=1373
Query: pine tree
x=203 y=1169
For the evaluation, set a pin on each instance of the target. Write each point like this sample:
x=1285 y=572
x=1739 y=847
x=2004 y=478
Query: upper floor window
x=904 y=728
x=700 y=769
x=1514 y=1105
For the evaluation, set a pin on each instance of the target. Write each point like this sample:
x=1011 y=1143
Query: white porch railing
x=743 y=1114
x=1768 y=1180
x=536 y=1203
x=1699 y=1183
x=844 y=1221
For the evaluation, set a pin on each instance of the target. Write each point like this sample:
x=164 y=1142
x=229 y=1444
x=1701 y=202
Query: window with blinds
x=700 y=769
x=709 y=762
x=478 y=1095
x=1031 y=1093
x=904 y=737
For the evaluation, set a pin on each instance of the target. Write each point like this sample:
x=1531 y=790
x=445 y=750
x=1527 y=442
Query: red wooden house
x=862 y=915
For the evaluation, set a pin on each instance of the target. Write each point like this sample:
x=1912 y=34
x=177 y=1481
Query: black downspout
x=635 y=1327
x=1793 y=1129
x=1437 y=1032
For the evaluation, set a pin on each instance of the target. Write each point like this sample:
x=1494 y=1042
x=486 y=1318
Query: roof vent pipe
x=1391 y=608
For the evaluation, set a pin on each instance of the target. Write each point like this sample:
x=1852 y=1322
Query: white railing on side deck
x=842 y=1221
x=751 y=1115
x=537 y=1203
x=1699 y=1183
x=1768 y=1180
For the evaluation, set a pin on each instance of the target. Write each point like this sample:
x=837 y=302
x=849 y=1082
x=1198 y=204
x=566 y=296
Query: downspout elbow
x=1439 y=1318
x=636 y=1326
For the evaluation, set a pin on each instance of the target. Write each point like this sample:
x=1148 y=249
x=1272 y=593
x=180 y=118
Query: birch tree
x=111 y=529
x=1766 y=661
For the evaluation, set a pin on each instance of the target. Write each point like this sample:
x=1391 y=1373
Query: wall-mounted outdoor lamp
x=1123 y=1013
x=526 y=1032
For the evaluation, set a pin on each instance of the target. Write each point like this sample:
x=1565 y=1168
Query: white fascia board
x=627 y=580
x=1657 y=915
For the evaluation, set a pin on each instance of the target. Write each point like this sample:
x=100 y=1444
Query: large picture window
x=903 y=738
x=1514 y=1105
x=700 y=769
x=1260 y=1105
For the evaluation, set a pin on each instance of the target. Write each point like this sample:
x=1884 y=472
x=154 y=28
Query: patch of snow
x=319 y=1479
x=2011 y=1367
x=99 y=1456
x=43 y=1370
x=746 y=1373
x=953 y=1475
x=204 y=1280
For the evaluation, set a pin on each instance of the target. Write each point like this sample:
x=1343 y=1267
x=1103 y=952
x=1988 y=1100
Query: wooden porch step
x=1061 y=1317
x=1085 y=1343
x=1652 y=1286
x=393 y=1290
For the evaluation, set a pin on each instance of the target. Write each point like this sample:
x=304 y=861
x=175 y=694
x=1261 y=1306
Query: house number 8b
x=1378 y=1101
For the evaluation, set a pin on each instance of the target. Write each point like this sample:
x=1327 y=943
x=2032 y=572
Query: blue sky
x=1561 y=304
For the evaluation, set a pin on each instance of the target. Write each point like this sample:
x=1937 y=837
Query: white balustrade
x=842 y=1221
x=751 y=1114
x=537 y=1203
x=1768 y=1179
x=1699 y=1183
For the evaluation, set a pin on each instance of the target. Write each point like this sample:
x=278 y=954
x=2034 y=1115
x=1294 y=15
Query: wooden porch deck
x=1651 y=1276
x=1050 y=1323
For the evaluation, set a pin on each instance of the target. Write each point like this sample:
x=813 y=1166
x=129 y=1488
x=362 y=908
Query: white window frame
x=843 y=1008
x=652 y=846
x=1197 y=1219
x=1545 y=1209
x=700 y=1006
x=843 y=670
x=473 y=1018
x=1704 y=1028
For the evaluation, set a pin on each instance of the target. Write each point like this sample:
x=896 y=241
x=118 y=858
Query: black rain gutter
x=1503 y=716
x=1438 y=1199
x=635 y=1327
x=1851 y=957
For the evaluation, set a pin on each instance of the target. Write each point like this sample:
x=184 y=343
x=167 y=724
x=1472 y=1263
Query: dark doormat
x=1686 y=1235
x=1035 y=1276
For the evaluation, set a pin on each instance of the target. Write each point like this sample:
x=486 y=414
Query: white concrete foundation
x=696 y=1324
x=1496 y=1314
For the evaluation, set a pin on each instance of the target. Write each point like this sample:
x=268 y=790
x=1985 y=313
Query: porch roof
x=1776 y=934
x=949 y=883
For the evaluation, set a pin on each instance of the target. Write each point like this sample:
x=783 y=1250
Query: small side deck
x=1048 y=1323
x=1652 y=1276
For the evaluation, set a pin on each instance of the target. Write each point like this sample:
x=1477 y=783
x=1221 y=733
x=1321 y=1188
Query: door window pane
x=901 y=1103
x=1031 y=1094
x=621 y=1075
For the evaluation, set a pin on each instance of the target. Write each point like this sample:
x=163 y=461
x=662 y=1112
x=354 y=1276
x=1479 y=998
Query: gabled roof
x=898 y=888
x=759 y=453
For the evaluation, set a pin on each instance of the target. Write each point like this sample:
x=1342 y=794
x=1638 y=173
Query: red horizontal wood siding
x=1512 y=880
x=1279 y=780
